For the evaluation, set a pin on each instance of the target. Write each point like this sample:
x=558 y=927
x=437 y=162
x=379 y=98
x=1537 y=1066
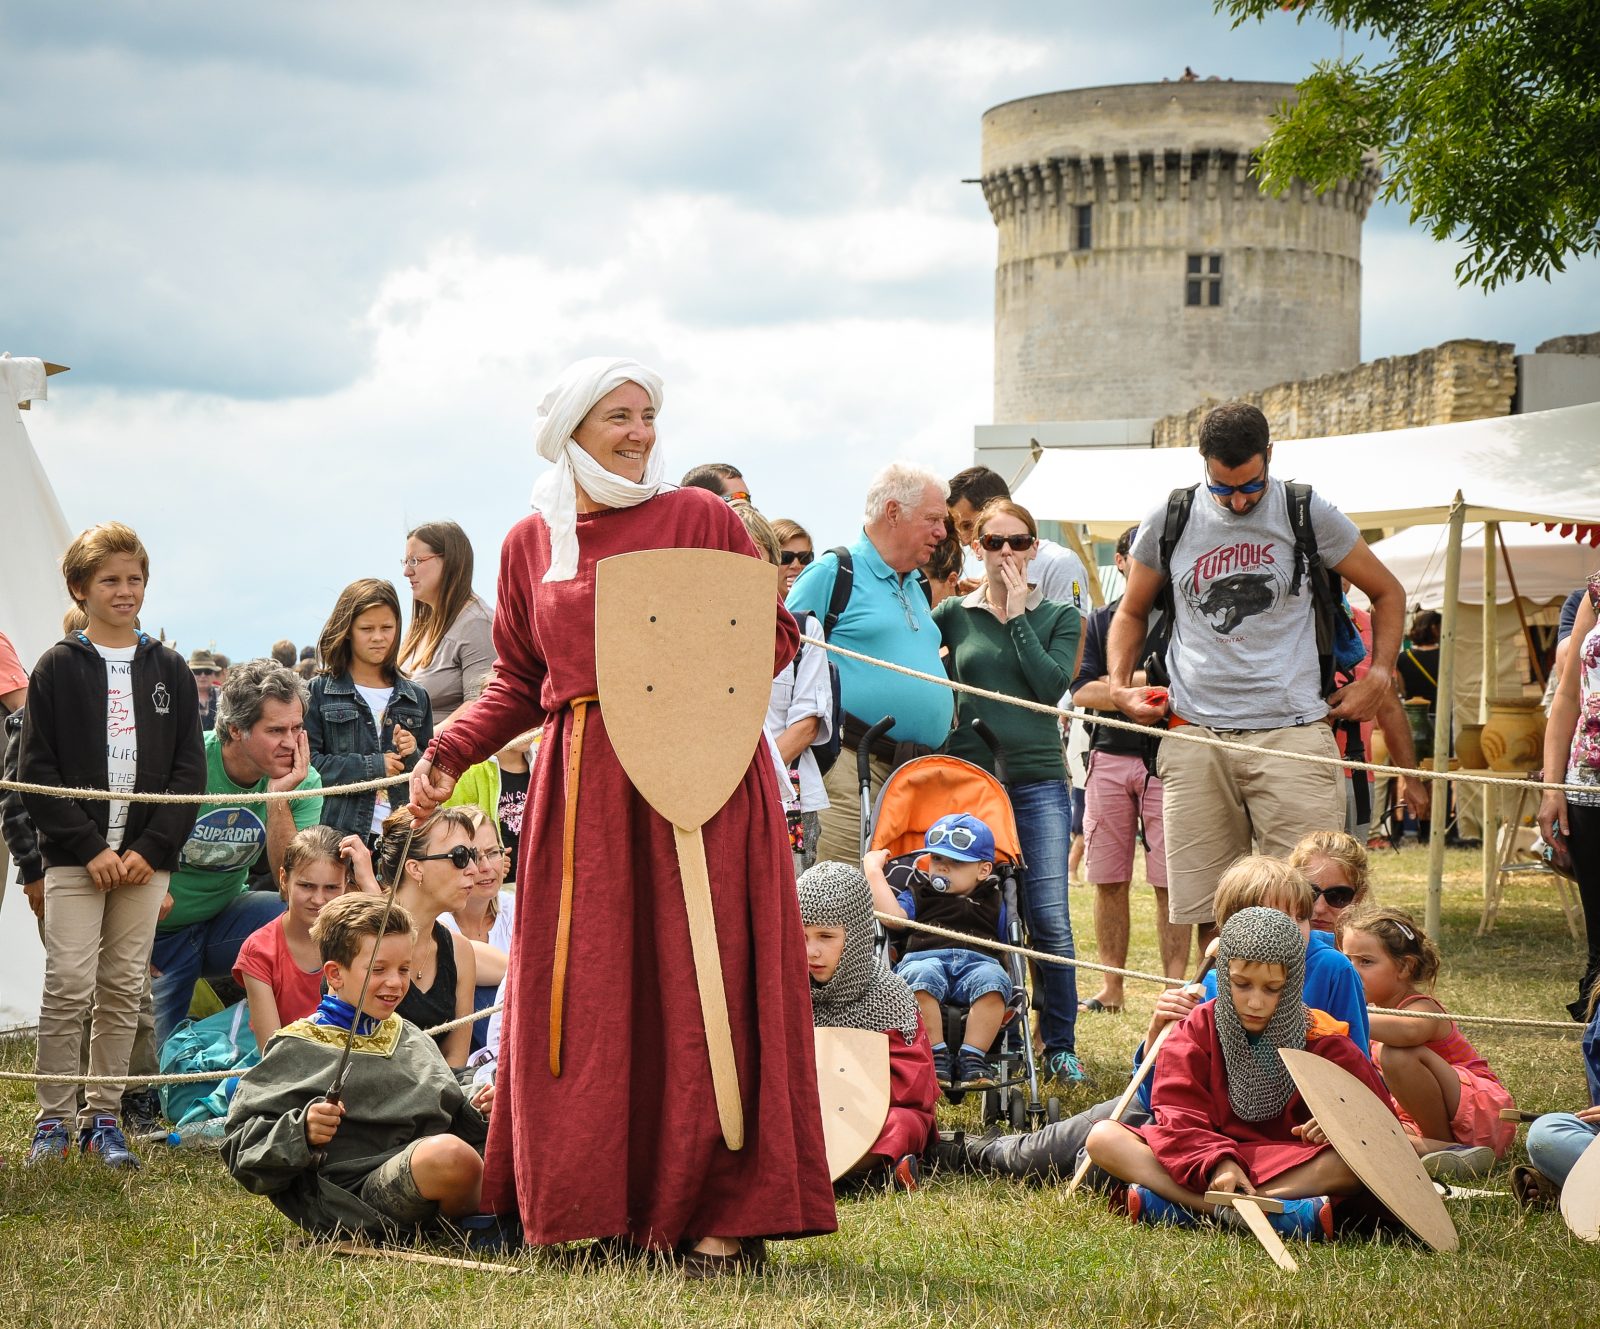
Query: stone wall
x=1577 y=343
x=1459 y=380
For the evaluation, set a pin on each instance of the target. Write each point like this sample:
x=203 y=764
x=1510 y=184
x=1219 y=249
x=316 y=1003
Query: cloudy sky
x=312 y=264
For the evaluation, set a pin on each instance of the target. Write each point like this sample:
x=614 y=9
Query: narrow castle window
x=1204 y=281
x=1083 y=215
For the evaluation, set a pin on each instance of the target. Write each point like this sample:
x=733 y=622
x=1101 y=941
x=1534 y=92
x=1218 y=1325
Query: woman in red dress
x=608 y=1125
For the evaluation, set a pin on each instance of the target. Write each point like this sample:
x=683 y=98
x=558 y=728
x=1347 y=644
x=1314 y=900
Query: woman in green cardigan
x=1007 y=638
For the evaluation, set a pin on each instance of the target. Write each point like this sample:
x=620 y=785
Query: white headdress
x=555 y=496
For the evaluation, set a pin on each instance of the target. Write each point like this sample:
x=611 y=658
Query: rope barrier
x=206 y=1077
x=1044 y=957
x=227 y=800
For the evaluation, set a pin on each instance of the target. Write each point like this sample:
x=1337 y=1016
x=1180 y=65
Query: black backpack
x=1334 y=628
x=826 y=751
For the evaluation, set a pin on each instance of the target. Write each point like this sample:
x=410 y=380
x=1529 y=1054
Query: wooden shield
x=853 y=1084
x=1580 y=1194
x=1367 y=1136
x=683 y=661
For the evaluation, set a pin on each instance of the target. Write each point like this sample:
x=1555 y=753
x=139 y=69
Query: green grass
x=179 y=1244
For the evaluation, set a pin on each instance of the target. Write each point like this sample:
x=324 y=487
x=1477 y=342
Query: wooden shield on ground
x=683 y=660
x=1367 y=1136
x=853 y=1084
x=1580 y=1194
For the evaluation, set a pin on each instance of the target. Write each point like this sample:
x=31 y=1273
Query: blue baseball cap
x=962 y=837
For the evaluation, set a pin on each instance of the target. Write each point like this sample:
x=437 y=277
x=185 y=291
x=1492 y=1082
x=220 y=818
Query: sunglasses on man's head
x=801 y=556
x=461 y=857
x=959 y=838
x=995 y=543
x=1338 y=897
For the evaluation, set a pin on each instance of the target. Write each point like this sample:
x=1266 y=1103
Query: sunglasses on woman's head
x=959 y=838
x=1338 y=897
x=995 y=543
x=461 y=857
x=801 y=556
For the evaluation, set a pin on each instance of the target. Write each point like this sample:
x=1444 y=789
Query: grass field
x=179 y=1244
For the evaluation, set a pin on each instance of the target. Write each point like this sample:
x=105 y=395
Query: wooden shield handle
x=708 y=977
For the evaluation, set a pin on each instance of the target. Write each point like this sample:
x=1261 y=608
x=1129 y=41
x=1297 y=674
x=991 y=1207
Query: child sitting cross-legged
x=1227 y=1116
x=852 y=988
x=403 y=1147
x=958 y=892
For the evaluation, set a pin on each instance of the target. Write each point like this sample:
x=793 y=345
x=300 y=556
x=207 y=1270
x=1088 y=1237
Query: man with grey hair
x=259 y=744
x=880 y=611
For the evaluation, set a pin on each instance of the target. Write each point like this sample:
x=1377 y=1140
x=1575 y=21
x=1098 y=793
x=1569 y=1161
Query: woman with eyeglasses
x=1005 y=637
x=485 y=920
x=602 y=1011
x=436 y=878
x=449 y=648
x=795 y=551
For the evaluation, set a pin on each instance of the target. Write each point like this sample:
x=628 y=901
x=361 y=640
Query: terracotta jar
x=1513 y=739
x=1469 y=747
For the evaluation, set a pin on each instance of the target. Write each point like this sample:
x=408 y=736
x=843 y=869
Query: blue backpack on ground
x=221 y=1042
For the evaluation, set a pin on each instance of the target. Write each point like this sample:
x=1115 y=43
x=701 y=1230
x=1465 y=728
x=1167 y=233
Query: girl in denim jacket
x=366 y=719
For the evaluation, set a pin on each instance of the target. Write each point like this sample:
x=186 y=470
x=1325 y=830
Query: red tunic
x=1195 y=1130
x=626 y=1140
x=913 y=1094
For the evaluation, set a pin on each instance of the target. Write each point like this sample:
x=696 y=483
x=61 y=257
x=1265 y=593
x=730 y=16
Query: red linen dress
x=913 y=1094
x=1195 y=1130
x=626 y=1140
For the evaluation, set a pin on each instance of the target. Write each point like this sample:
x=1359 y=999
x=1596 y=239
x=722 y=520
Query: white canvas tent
x=1539 y=467
x=31 y=605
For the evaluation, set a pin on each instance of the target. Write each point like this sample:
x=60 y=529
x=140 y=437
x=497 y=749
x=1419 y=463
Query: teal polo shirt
x=887 y=618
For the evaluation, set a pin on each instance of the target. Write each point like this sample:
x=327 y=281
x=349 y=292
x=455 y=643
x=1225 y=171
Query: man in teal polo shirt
x=887 y=618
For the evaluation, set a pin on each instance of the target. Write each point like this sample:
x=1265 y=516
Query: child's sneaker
x=1310 y=1219
x=50 y=1141
x=907 y=1173
x=105 y=1139
x=976 y=1073
x=1065 y=1068
x=1143 y=1205
x=1459 y=1162
x=941 y=1066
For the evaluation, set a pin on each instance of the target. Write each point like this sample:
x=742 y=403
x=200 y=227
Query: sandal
x=1097 y=1007
x=1532 y=1189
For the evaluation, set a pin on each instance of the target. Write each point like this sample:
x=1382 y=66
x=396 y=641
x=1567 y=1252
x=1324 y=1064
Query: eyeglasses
x=461 y=857
x=905 y=604
x=1338 y=897
x=995 y=543
x=416 y=561
x=959 y=838
x=801 y=556
x=496 y=852
x=1248 y=487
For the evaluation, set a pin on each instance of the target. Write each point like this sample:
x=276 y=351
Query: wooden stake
x=362 y=1249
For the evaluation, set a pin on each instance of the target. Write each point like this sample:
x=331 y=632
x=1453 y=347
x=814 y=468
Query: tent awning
x=1539 y=467
x=1546 y=566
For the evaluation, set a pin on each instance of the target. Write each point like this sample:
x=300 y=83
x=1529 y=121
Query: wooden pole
x=1097 y=597
x=1491 y=680
x=1441 y=717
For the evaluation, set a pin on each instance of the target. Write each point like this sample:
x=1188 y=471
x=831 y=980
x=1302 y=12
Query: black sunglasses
x=461 y=857
x=1338 y=897
x=801 y=556
x=995 y=543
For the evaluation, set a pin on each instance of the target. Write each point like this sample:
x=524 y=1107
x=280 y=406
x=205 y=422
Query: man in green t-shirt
x=259 y=743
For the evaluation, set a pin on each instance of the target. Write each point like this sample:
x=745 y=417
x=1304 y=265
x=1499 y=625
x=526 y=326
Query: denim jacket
x=346 y=748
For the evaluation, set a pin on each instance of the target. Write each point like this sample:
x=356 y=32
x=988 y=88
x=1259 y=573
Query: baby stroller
x=914 y=797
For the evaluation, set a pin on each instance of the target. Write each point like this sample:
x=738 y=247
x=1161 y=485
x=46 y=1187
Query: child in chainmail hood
x=1227 y=1115
x=852 y=988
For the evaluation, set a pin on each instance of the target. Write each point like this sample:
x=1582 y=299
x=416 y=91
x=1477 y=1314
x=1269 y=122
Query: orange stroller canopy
x=927 y=788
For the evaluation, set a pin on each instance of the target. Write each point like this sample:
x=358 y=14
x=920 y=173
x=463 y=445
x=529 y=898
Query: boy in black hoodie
x=108 y=708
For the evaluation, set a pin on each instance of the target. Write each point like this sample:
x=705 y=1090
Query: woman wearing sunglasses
x=1336 y=866
x=1007 y=638
x=437 y=878
x=795 y=553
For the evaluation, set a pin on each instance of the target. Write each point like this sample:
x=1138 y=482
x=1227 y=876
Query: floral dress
x=1583 y=765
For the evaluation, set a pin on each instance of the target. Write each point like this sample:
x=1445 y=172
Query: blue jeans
x=1044 y=817
x=1556 y=1141
x=954 y=974
x=208 y=949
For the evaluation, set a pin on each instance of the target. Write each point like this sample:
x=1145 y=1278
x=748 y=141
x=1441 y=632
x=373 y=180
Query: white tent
x=1539 y=467
x=1546 y=564
x=31 y=605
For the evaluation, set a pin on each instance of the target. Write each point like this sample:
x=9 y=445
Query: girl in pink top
x=1444 y=1090
x=279 y=965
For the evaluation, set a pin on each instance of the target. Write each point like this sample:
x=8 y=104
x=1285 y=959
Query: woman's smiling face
x=620 y=431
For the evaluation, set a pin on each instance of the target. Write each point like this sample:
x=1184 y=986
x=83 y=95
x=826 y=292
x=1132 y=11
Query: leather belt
x=569 y=834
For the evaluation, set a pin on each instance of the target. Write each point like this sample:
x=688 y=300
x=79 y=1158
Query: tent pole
x=1442 y=717
x=1097 y=597
x=1491 y=682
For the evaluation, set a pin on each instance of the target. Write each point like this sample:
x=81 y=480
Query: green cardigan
x=479 y=786
x=1033 y=657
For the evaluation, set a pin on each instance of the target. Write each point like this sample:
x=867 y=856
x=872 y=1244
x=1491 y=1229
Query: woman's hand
x=358 y=862
x=1553 y=816
x=1015 y=584
x=106 y=870
x=428 y=788
x=1231 y=1177
x=405 y=742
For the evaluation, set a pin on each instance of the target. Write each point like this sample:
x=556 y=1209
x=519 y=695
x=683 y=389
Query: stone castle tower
x=1140 y=268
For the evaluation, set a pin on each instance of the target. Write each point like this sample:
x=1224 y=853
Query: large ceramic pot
x=1469 y=747
x=1513 y=739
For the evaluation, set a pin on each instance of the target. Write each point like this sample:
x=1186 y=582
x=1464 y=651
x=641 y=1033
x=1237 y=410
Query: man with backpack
x=1248 y=574
x=868 y=598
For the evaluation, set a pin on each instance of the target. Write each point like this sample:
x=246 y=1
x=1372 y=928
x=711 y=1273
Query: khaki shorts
x=1219 y=805
x=391 y=1191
